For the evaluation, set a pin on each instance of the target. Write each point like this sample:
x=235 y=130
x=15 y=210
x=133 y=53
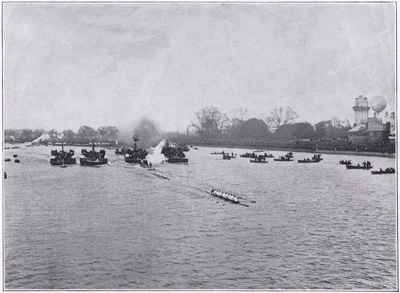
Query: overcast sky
x=67 y=65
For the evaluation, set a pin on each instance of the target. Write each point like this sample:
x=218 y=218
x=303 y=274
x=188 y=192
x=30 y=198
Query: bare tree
x=210 y=122
x=281 y=116
x=235 y=120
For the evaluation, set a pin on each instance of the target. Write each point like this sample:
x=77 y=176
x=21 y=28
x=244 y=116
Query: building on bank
x=370 y=129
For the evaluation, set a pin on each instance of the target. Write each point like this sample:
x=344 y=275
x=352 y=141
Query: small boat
x=120 y=151
x=259 y=159
x=248 y=155
x=343 y=162
x=15 y=147
x=386 y=171
x=359 y=167
x=7 y=160
x=226 y=157
x=185 y=148
x=216 y=153
x=226 y=196
x=283 y=159
x=15 y=156
x=308 y=161
x=17 y=161
x=7 y=148
x=253 y=155
x=317 y=158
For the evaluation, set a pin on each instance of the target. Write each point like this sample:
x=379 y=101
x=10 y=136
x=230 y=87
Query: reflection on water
x=309 y=226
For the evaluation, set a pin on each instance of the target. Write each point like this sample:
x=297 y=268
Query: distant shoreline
x=353 y=153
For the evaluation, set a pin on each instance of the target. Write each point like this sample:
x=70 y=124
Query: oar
x=253 y=201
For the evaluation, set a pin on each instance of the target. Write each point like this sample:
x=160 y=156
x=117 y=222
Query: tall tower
x=361 y=109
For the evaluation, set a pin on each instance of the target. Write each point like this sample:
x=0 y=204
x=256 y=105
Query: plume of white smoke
x=156 y=157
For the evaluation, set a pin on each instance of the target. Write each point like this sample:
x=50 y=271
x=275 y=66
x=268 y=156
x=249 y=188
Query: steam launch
x=135 y=155
x=62 y=157
x=93 y=158
x=174 y=154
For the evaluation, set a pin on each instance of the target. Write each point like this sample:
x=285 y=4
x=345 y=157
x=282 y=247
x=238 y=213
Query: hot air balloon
x=378 y=104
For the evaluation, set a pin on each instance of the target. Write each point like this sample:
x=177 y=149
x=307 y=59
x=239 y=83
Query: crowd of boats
x=175 y=154
x=316 y=158
x=131 y=155
x=16 y=160
x=93 y=157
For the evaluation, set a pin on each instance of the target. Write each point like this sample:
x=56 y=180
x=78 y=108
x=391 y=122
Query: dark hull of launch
x=93 y=162
x=59 y=162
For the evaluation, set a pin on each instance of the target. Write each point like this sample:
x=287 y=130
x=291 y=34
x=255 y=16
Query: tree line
x=84 y=134
x=145 y=133
x=211 y=123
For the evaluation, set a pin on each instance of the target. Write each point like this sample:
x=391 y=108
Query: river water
x=308 y=226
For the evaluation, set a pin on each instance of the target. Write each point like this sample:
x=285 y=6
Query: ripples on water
x=312 y=226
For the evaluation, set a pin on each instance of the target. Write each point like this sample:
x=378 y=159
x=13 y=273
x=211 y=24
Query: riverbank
x=352 y=153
